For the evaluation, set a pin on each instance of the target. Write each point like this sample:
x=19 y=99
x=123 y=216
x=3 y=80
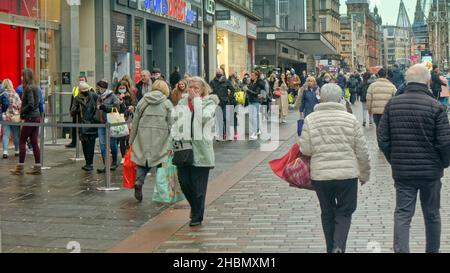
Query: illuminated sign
x=175 y=9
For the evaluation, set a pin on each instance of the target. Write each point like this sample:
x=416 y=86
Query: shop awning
x=309 y=43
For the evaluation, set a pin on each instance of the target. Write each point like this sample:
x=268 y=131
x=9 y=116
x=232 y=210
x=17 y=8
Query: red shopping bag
x=129 y=171
x=297 y=173
x=278 y=165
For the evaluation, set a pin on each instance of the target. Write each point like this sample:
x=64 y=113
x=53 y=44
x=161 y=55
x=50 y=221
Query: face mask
x=122 y=91
x=100 y=91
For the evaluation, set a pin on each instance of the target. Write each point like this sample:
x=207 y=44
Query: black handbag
x=183 y=154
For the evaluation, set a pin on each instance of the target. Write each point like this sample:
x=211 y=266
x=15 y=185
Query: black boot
x=103 y=170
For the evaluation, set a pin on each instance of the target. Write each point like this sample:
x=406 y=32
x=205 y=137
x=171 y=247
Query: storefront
x=251 y=36
x=155 y=33
x=209 y=39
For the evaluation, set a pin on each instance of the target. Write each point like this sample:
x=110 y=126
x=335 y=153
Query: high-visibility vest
x=75 y=92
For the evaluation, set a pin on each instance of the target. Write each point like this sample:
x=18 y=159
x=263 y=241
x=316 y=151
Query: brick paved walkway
x=261 y=213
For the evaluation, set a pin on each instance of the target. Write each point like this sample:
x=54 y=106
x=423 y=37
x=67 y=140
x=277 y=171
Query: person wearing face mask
x=84 y=108
x=225 y=91
x=106 y=101
x=310 y=97
x=128 y=103
x=75 y=93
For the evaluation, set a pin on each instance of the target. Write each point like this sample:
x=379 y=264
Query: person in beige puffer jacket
x=378 y=95
x=339 y=157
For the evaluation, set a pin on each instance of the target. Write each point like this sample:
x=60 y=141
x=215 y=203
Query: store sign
x=223 y=15
x=251 y=30
x=237 y=22
x=120 y=34
x=176 y=9
x=210 y=7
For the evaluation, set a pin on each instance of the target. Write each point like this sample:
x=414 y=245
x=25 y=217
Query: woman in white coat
x=339 y=158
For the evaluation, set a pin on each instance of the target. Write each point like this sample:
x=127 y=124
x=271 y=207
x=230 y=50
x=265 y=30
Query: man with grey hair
x=145 y=85
x=414 y=135
x=335 y=141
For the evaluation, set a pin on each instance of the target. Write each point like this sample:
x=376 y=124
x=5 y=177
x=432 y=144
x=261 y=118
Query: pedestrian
x=150 y=133
x=128 y=103
x=225 y=91
x=339 y=155
x=175 y=77
x=378 y=95
x=414 y=135
x=353 y=84
x=294 y=84
x=437 y=84
x=303 y=78
x=106 y=102
x=364 y=87
x=131 y=85
x=282 y=101
x=11 y=100
x=397 y=76
x=254 y=100
x=342 y=81
x=30 y=113
x=194 y=179
x=84 y=108
x=75 y=93
x=310 y=97
x=444 y=93
x=179 y=91
x=145 y=85
x=234 y=80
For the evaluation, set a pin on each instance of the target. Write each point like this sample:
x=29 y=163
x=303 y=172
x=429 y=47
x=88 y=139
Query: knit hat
x=103 y=84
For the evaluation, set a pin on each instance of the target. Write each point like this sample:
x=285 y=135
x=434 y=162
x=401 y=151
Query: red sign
x=137 y=68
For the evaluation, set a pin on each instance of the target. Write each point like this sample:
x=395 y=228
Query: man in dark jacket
x=397 y=76
x=145 y=85
x=342 y=81
x=175 y=77
x=225 y=91
x=353 y=84
x=414 y=135
x=436 y=83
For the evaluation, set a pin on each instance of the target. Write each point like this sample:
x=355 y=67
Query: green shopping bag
x=167 y=187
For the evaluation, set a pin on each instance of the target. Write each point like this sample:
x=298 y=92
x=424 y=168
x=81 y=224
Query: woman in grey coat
x=150 y=132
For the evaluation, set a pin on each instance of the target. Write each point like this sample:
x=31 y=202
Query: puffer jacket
x=202 y=144
x=379 y=94
x=414 y=135
x=151 y=130
x=336 y=143
x=220 y=88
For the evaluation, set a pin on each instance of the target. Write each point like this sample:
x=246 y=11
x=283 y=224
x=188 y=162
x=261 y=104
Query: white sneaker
x=253 y=137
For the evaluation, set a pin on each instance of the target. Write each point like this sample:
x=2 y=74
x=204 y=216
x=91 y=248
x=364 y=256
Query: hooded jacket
x=151 y=130
x=414 y=135
x=204 y=119
x=336 y=143
x=220 y=88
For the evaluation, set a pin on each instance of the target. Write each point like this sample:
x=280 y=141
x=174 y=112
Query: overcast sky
x=388 y=9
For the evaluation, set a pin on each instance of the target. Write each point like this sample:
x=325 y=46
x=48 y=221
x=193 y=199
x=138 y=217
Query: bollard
x=42 y=143
x=108 y=163
x=77 y=153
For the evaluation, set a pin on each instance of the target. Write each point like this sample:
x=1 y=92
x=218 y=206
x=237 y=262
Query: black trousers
x=88 y=144
x=377 y=119
x=338 y=201
x=194 y=183
x=124 y=144
x=74 y=132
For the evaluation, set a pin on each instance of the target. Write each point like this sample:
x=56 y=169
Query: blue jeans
x=7 y=130
x=102 y=140
x=253 y=111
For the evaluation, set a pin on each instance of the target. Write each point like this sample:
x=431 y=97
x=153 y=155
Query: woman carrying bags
x=196 y=111
x=150 y=133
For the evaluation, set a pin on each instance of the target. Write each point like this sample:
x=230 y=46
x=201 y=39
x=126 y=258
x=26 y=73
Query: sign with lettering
x=223 y=15
x=179 y=10
x=120 y=34
x=237 y=23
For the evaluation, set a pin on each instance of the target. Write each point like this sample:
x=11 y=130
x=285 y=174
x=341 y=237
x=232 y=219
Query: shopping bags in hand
x=167 y=187
x=115 y=118
x=293 y=168
x=291 y=98
x=129 y=171
x=240 y=97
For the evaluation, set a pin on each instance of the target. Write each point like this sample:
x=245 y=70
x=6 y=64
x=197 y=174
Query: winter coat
x=84 y=108
x=202 y=144
x=254 y=91
x=283 y=101
x=336 y=143
x=397 y=78
x=220 y=88
x=151 y=130
x=107 y=102
x=139 y=87
x=363 y=91
x=414 y=135
x=19 y=91
x=378 y=95
x=353 y=84
x=401 y=89
x=309 y=101
x=30 y=103
x=436 y=84
x=342 y=81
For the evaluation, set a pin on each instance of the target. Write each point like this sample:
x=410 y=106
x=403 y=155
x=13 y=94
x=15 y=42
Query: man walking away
x=397 y=76
x=414 y=135
x=378 y=95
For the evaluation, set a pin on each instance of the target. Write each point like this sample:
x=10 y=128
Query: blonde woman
x=282 y=86
x=310 y=97
x=179 y=91
x=150 y=133
x=12 y=114
x=197 y=111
